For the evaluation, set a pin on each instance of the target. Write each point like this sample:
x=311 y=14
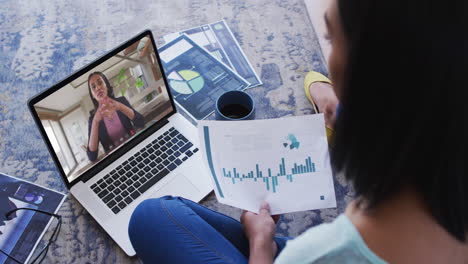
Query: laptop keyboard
x=141 y=171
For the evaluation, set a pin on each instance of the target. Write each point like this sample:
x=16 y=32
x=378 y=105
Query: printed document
x=284 y=162
x=218 y=40
x=195 y=77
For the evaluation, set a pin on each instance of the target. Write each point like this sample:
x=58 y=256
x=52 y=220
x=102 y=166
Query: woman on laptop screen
x=113 y=120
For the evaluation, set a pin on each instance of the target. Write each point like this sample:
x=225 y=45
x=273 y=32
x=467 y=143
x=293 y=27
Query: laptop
x=116 y=137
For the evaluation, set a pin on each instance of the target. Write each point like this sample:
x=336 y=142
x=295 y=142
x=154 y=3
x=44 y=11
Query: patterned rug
x=44 y=41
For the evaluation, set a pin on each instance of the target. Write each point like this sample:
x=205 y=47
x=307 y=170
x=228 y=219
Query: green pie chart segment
x=186 y=81
x=197 y=84
x=188 y=74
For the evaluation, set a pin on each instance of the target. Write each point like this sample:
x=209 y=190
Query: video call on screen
x=98 y=112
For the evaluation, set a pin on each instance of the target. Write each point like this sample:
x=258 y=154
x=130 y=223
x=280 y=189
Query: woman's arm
x=93 y=141
x=122 y=105
x=125 y=110
x=260 y=230
x=262 y=252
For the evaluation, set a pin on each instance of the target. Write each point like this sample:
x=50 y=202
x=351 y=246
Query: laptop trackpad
x=179 y=186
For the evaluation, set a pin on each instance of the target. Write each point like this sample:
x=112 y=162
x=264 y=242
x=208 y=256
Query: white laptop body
x=189 y=181
x=64 y=115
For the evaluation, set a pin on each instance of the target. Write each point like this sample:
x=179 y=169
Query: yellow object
x=313 y=77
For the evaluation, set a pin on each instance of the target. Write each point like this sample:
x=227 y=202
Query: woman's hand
x=260 y=231
x=107 y=108
x=93 y=141
x=118 y=106
x=259 y=226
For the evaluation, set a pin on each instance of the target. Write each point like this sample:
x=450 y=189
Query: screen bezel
x=132 y=141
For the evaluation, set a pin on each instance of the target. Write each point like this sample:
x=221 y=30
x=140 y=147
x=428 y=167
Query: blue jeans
x=177 y=230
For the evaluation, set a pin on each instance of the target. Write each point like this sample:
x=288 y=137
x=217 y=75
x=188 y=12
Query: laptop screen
x=101 y=110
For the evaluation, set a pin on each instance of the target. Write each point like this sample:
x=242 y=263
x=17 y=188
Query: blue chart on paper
x=258 y=174
x=221 y=43
x=186 y=81
x=195 y=77
x=307 y=168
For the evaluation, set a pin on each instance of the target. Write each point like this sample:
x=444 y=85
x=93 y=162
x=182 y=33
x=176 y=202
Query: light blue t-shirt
x=336 y=242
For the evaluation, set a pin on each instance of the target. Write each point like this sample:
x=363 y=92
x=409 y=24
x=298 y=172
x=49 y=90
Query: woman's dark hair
x=403 y=119
x=110 y=89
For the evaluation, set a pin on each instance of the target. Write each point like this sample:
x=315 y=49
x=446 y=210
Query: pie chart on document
x=186 y=81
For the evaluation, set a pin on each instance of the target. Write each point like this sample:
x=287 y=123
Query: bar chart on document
x=271 y=179
x=281 y=161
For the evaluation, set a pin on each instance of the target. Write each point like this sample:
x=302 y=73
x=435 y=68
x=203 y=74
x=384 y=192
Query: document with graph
x=283 y=161
x=196 y=77
x=218 y=39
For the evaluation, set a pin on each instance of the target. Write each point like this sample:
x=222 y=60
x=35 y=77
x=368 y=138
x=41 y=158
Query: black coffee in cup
x=235 y=111
x=235 y=105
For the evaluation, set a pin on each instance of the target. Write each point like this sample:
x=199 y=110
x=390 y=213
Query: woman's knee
x=150 y=212
x=151 y=223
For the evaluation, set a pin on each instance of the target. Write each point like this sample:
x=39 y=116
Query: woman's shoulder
x=335 y=242
x=316 y=241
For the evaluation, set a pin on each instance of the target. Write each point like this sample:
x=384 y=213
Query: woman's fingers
x=107 y=108
x=264 y=208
